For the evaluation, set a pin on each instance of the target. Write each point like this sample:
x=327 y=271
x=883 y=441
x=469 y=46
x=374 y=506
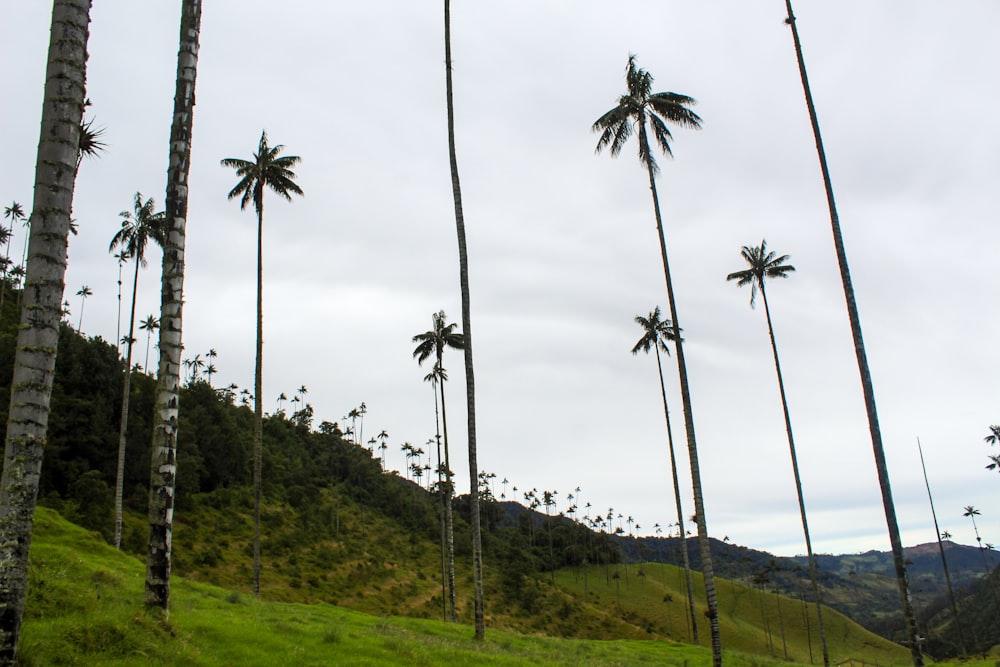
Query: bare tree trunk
x=449 y=514
x=123 y=422
x=470 y=384
x=163 y=462
x=693 y=619
x=813 y=575
x=704 y=545
x=881 y=466
x=38 y=335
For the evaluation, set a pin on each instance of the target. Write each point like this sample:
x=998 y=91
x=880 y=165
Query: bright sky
x=562 y=243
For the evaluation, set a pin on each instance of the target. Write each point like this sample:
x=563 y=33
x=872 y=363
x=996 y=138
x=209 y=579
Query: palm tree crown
x=266 y=170
x=762 y=264
x=638 y=107
x=138 y=228
x=441 y=335
x=655 y=333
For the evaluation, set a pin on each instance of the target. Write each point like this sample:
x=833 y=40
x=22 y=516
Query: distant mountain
x=862 y=586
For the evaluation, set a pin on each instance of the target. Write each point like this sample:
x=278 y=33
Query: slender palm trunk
x=449 y=514
x=123 y=424
x=677 y=500
x=38 y=334
x=859 y=350
x=470 y=384
x=798 y=480
x=444 y=497
x=944 y=561
x=704 y=545
x=163 y=464
x=258 y=411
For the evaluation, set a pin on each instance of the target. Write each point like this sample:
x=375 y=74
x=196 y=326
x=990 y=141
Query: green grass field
x=85 y=608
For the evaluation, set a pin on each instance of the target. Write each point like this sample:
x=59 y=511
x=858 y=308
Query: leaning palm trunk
x=859 y=350
x=470 y=384
x=163 y=463
x=704 y=545
x=677 y=500
x=944 y=561
x=123 y=423
x=449 y=492
x=38 y=335
x=798 y=481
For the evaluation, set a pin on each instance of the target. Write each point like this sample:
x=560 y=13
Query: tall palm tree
x=13 y=213
x=139 y=227
x=992 y=438
x=470 y=382
x=83 y=293
x=764 y=264
x=163 y=455
x=267 y=170
x=149 y=325
x=881 y=466
x=442 y=335
x=655 y=334
x=641 y=111
x=38 y=334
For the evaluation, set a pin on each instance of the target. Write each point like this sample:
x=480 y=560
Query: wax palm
x=655 y=334
x=638 y=112
x=139 y=226
x=440 y=336
x=993 y=438
x=38 y=334
x=13 y=213
x=266 y=171
x=867 y=387
x=763 y=264
x=83 y=293
x=149 y=325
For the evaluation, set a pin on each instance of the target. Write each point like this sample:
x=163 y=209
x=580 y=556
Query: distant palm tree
x=993 y=438
x=149 y=325
x=640 y=110
x=881 y=466
x=83 y=293
x=13 y=213
x=210 y=370
x=139 y=227
x=656 y=333
x=764 y=264
x=972 y=513
x=265 y=171
x=442 y=335
x=38 y=334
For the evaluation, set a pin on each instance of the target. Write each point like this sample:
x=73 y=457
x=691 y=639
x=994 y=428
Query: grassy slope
x=85 y=608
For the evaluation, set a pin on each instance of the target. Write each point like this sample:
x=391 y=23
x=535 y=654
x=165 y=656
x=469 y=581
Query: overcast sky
x=562 y=243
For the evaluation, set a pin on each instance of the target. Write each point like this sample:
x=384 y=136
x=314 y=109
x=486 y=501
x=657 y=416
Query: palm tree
x=993 y=438
x=764 y=264
x=38 y=334
x=13 y=213
x=656 y=333
x=149 y=325
x=470 y=382
x=211 y=355
x=163 y=458
x=139 y=227
x=265 y=170
x=859 y=349
x=83 y=293
x=434 y=341
x=640 y=111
